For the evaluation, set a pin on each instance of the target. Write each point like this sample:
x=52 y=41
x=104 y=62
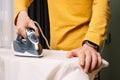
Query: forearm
x=99 y=22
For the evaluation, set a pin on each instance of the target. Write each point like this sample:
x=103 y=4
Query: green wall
x=112 y=50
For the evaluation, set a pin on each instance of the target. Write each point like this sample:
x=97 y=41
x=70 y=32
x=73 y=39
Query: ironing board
x=53 y=66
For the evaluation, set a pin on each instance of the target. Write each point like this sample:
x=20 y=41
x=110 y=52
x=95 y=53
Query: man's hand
x=89 y=58
x=22 y=22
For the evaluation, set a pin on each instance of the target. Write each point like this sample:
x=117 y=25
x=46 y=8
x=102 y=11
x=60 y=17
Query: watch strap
x=91 y=44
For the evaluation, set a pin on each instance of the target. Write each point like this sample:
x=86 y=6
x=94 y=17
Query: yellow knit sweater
x=73 y=21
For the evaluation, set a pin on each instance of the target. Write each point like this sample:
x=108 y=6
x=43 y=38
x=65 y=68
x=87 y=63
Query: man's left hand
x=89 y=58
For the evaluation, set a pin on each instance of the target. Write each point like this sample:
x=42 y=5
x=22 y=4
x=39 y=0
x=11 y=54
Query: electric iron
x=29 y=47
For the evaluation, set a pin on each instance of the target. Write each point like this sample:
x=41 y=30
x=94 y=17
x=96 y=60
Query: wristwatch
x=91 y=44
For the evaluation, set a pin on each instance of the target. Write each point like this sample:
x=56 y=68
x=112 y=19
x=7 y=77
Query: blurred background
x=112 y=48
x=6 y=23
x=111 y=51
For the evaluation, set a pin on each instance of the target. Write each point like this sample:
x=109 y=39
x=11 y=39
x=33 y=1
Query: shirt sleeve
x=98 y=25
x=21 y=5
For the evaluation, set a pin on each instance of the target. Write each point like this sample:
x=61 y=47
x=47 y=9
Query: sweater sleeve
x=99 y=22
x=21 y=5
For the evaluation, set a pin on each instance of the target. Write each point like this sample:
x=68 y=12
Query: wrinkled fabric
x=52 y=66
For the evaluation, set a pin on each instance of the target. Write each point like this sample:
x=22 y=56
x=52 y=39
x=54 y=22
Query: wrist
x=91 y=44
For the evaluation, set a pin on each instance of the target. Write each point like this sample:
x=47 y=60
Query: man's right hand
x=22 y=22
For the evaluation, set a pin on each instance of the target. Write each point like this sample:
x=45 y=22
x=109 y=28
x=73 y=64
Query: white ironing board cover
x=53 y=66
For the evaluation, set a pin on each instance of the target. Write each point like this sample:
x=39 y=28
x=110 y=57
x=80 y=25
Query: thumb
x=71 y=54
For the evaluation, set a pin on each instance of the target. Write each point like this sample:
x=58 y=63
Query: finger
x=82 y=59
x=21 y=31
x=17 y=32
x=87 y=62
x=94 y=62
x=99 y=61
